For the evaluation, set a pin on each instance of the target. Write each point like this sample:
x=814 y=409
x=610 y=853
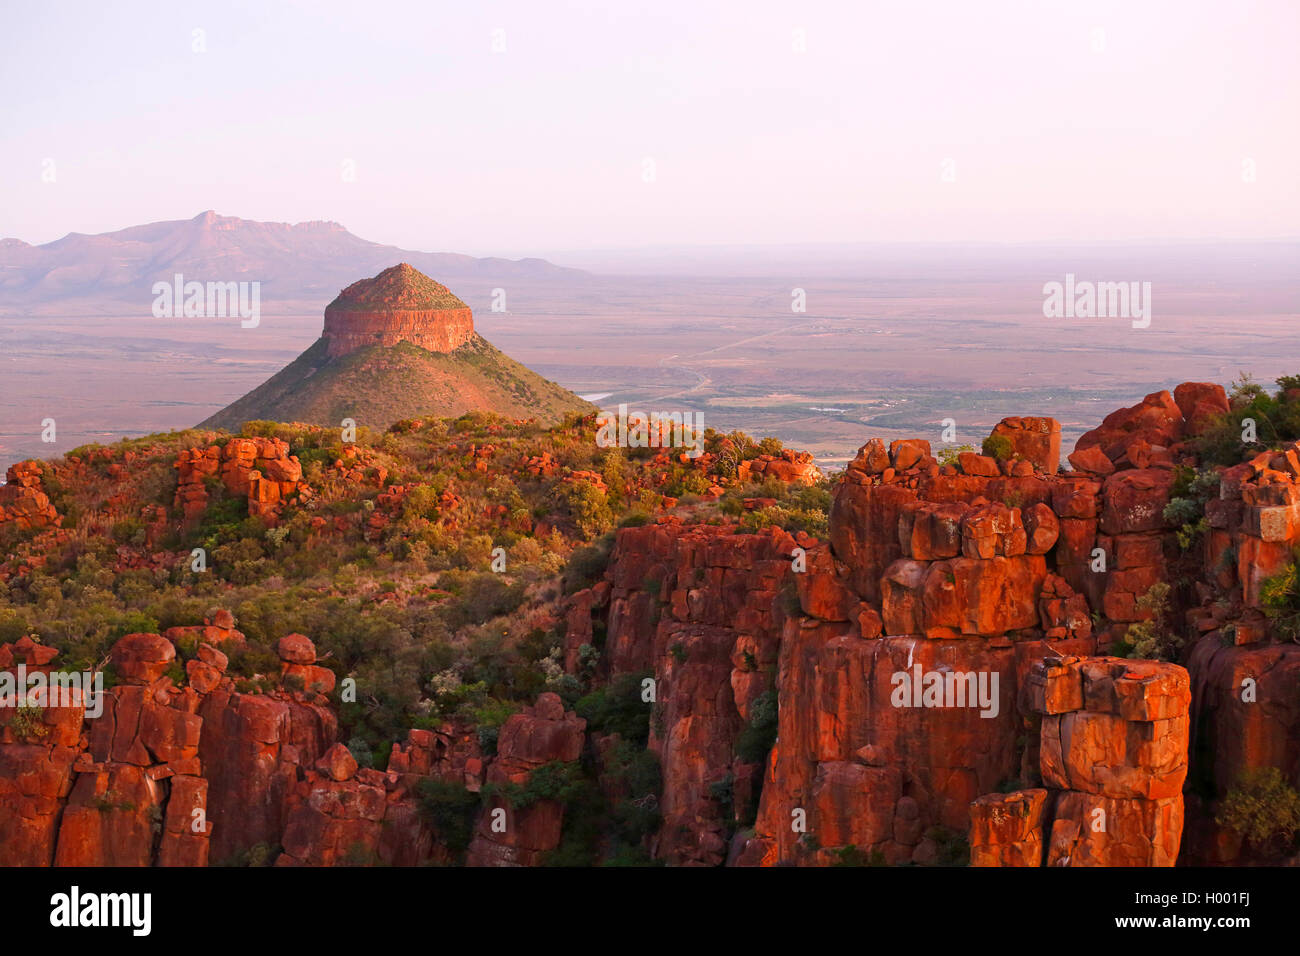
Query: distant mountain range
x=300 y=266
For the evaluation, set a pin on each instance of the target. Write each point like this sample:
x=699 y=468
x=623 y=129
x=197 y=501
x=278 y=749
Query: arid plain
x=891 y=343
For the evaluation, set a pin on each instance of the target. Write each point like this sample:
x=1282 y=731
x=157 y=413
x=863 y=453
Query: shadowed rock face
x=400 y=304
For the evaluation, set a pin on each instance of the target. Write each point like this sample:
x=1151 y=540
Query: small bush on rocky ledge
x=1280 y=598
x=998 y=447
x=948 y=455
x=1276 y=418
x=260 y=854
x=756 y=739
x=27 y=723
x=557 y=780
x=618 y=709
x=1153 y=639
x=450 y=810
x=1263 y=809
x=587 y=565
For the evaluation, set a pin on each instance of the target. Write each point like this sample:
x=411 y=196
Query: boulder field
x=936 y=682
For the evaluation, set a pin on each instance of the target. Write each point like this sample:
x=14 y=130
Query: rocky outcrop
x=1035 y=440
x=699 y=609
x=22 y=500
x=517 y=828
x=1156 y=422
x=38 y=747
x=937 y=671
x=398 y=305
x=790 y=467
x=259 y=469
x=1113 y=758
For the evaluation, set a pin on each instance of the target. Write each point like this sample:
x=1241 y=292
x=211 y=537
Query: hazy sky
x=1087 y=120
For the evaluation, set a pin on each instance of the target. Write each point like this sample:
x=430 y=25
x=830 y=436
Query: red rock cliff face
x=698 y=608
x=938 y=671
x=509 y=835
x=437 y=330
x=986 y=569
x=23 y=502
x=398 y=305
x=1113 y=752
x=260 y=469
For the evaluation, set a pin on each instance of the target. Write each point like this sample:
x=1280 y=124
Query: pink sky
x=542 y=148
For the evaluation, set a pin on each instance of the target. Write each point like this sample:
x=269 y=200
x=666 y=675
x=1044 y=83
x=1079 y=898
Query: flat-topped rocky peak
x=401 y=304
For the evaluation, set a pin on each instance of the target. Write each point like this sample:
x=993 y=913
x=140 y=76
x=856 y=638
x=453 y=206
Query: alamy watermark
x=18 y=688
x=211 y=300
x=77 y=909
x=946 y=689
x=654 y=430
x=1102 y=300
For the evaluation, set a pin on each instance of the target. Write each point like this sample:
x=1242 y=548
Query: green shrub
x=557 y=780
x=450 y=810
x=1154 y=639
x=998 y=447
x=1263 y=809
x=953 y=848
x=259 y=854
x=588 y=506
x=1280 y=597
x=1277 y=419
x=948 y=454
x=759 y=734
x=618 y=709
x=851 y=856
x=28 y=722
x=587 y=565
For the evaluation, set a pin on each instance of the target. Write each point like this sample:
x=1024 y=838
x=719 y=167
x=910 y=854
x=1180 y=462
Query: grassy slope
x=378 y=386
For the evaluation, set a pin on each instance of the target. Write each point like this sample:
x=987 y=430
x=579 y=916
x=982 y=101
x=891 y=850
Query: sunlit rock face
x=400 y=304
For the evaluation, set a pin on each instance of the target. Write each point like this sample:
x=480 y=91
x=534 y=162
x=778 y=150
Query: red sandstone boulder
x=1092 y=460
x=872 y=458
x=1246 y=711
x=864 y=531
x=1129 y=740
x=142 y=658
x=928 y=531
x=1007 y=829
x=843 y=818
x=1035 y=440
x=1157 y=420
x=1202 y=404
x=992 y=530
x=22 y=501
x=1054 y=686
x=202 y=677
x=313 y=679
x=901 y=586
x=296 y=649
x=908 y=452
x=542 y=734
x=821 y=592
x=1124 y=833
x=109 y=819
x=338 y=763
x=790 y=467
x=185 y=835
x=1105 y=754
x=1136 y=500
x=1041 y=529
x=973 y=464
x=986 y=598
